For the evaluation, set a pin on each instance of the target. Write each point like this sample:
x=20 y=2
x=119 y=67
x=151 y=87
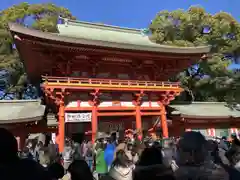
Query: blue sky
x=132 y=13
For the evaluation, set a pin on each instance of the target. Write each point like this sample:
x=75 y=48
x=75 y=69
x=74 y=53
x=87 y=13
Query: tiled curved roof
x=17 y=111
x=206 y=109
x=78 y=32
x=120 y=35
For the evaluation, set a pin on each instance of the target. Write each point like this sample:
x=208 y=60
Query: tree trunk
x=19 y=95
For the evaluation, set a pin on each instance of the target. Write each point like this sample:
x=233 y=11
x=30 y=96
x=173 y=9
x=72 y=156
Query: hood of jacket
x=121 y=173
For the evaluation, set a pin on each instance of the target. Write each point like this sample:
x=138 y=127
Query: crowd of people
x=189 y=157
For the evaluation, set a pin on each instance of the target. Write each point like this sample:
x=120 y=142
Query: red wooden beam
x=150 y=113
x=116 y=114
x=111 y=88
x=88 y=49
x=111 y=108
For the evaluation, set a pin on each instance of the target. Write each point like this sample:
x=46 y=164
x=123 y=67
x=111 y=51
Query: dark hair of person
x=224 y=138
x=29 y=169
x=135 y=149
x=192 y=148
x=102 y=146
x=25 y=150
x=79 y=170
x=9 y=146
x=121 y=137
x=113 y=137
x=121 y=159
x=56 y=171
x=151 y=156
x=129 y=146
x=236 y=141
x=157 y=145
x=68 y=143
x=150 y=166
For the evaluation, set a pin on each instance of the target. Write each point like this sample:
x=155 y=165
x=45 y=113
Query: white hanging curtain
x=234 y=131
x=211 y=132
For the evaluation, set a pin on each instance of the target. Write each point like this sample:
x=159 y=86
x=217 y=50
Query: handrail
x=95 y=81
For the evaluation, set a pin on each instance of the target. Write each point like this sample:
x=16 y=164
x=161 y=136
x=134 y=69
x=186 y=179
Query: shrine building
x=97 y=77
x=21 y=117
x=209 y=118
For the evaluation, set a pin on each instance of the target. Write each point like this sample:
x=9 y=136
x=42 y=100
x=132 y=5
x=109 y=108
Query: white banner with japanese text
x=78 y=117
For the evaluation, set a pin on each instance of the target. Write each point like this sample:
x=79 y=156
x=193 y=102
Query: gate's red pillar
x=164 y=121
x=138 y=120
x=61 y=127
x=94 y=123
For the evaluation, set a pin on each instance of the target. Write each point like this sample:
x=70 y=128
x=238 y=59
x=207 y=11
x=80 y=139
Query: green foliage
x=209 y=80
x=43 y=17
x=233 y=95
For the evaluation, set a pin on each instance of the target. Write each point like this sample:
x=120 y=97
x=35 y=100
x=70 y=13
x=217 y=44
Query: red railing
x=113 y=82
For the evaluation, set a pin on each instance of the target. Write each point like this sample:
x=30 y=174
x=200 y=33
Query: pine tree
x=208 y=80
x=38 y=16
